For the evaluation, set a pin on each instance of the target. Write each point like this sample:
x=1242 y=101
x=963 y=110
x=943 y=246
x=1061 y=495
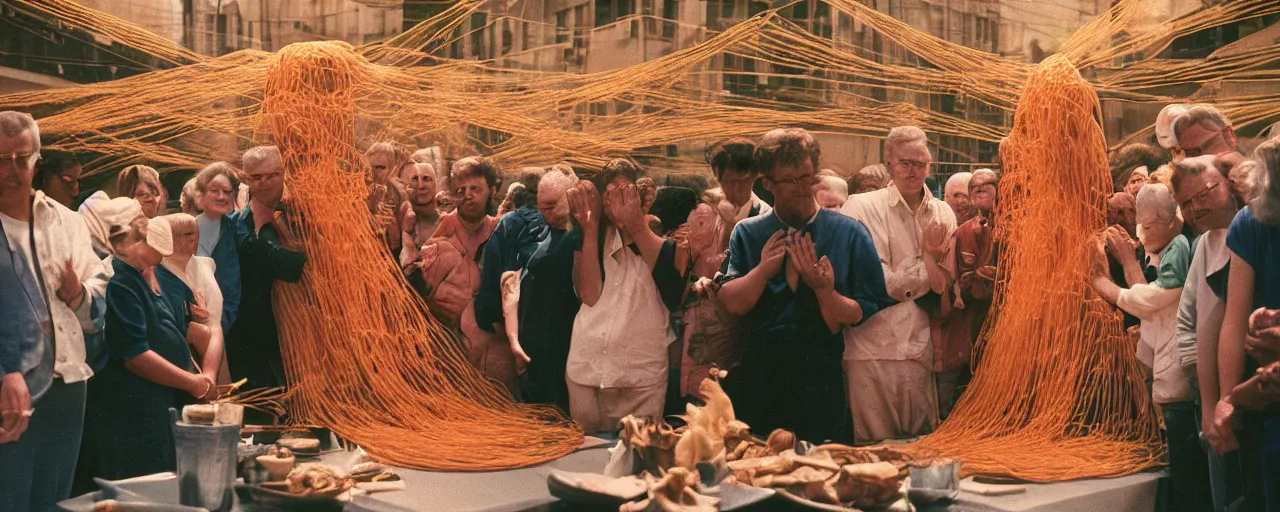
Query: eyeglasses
x=20 y=160
x=1199 y=196
x=256 y=178
x=913 y=164
x=794 y=182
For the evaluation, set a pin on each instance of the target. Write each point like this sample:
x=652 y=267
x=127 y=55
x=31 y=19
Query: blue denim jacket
x=25 y=347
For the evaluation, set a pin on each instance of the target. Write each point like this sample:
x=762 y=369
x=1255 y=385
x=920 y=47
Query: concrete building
x=216 y=27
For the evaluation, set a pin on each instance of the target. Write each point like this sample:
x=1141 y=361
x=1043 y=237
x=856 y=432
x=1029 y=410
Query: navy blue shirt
x=138 y=320
x=509 y=248
x=1258 y=245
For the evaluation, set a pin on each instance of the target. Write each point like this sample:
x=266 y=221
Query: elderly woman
x=624 y=274
x=386 y=192
x=197 y=273
x=142 y=183
x=150 y=365
x=421 y=218
x=216 y=187
x=1156 y=305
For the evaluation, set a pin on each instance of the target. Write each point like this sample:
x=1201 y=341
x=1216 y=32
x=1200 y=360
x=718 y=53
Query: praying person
x=800 y=275
x=869 y=179
x=215 y=187
x=956 y=194
x=831 y=192
x=1254 y=282
x=52 y=290
x=421 y=218
x=889 y=358
x=1122 y=216
x=266 y=255
x=976 y=257
x=1156 y=305
x=1137 y=178
x=142 y=183
x=58 y=176
x=1200 y=188
x=1122 y=210
x=629 y=283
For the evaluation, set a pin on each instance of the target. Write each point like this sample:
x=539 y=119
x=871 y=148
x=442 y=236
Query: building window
x=506 y=37
x=478 y=22
x=562 y=26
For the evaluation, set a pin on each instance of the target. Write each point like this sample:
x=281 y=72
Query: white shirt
x=899 y=332
x=61 y=235
x=199 y=277
x=1200 y=311
x=621 y=342
x=1157 y=308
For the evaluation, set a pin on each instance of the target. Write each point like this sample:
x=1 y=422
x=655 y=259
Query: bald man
x=956 y=194
x=548 y=302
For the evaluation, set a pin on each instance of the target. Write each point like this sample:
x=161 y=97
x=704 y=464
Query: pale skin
x=218 y=198
x=1231 y=347
x=1259 y=391
x=791 y=186
x=210 y=343
x=421 y=220
x=15 y=202
x=909 y=164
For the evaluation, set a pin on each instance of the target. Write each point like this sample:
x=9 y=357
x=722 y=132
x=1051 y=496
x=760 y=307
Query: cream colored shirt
x=899 y=332
x=621 y=342
x=199 y=277
x=61 y=235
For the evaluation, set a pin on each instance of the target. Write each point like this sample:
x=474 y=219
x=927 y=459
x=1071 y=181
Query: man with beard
x=253 y=345
x=421 y=218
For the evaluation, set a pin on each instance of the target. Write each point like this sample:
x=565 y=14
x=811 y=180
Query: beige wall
x=163 y=17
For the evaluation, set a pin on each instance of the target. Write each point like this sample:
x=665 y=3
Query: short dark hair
x=786 y=146
x=528 y=194
x=673 y=206
x=618 y=167
x=51 y=164
x=735 y=155
x=476 y=167
x=1133 y=156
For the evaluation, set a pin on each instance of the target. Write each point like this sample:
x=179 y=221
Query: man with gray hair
x=52 y=294
x=1205 y=130
x=956 y=194
x=1156 y=306
x=888 y=360
x=253 y=345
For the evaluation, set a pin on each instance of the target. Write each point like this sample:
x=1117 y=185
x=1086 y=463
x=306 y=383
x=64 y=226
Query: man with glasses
x=1205 y=130
x=889 y=359
x=253 y=345
x=52 y=293
x=802 y=273
x=1200 y=190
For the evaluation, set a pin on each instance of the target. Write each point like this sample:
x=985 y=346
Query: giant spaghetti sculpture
x=1058 y=393
x=366 y=358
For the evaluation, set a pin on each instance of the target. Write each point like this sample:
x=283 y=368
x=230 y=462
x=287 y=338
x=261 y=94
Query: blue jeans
x=36 y=470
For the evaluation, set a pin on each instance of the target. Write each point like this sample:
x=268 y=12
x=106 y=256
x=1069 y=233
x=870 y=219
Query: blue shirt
x=1258 y=245
x=226 y=264
x=138 y=320
x=843 y=240
x=509 y=248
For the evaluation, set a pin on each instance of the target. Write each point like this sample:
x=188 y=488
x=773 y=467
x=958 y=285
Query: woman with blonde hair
x=142 y=183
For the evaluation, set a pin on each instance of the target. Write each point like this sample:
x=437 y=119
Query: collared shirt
x=60 y=235
x=900 y=332
x=1201 y=308
x=752 y=208
x=621 y=342
x=1156 y=305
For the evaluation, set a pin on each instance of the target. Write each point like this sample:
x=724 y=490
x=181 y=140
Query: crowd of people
x=844 y=309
